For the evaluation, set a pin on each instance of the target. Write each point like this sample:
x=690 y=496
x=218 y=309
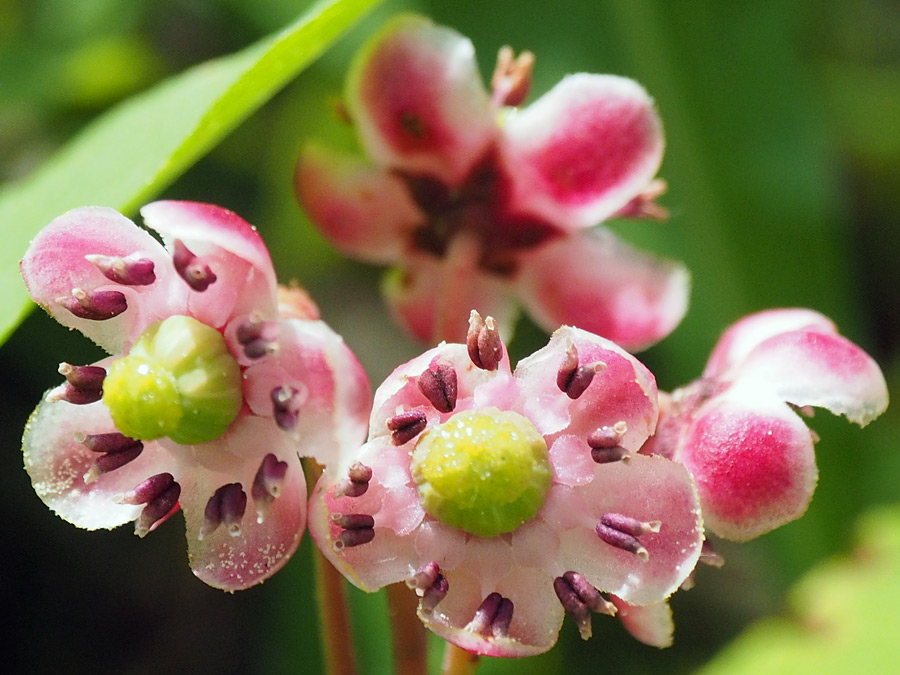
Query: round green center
x=179 y=380
x=484 y=471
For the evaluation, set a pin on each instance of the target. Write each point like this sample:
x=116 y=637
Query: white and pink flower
x=218 y=382
x=737 y=428
x=480 y=205
x=507 y=499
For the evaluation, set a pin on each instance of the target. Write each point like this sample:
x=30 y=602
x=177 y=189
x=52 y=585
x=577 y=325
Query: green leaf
x=844 y=619
x=132 y=152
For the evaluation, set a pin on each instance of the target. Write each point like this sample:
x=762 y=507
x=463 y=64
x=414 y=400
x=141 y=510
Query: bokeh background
x=783 y=160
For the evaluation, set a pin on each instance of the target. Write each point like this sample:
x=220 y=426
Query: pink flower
x=506 y=499
x=210 y=393
x=737 y=429
x=480 y=205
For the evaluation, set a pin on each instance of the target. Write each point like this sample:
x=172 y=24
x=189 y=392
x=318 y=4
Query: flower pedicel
x=217 y=383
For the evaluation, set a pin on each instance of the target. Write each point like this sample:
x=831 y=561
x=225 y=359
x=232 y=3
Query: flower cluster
x=216 y=385
x=481 y=205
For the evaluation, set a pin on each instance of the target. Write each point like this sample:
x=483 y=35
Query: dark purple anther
x=433 y=595
x=286 y=407
x=629 y=525
x=574 y=379
x=406 y=426
x=83 y=385
x=116 y=451
x=160 y=505
x=195 y=272
x=126 y=271
x=258 y=338
x=95 y=305
x=604 y=443
x=502 y=619
x=357 y=482
x=589 y=595
x=267 y=484
x=483 y=342
x=424 y=577
x=359 y=528
x=579 y=598
x=149 y=490
x=438 y=384
x=622 y=532
x=226 y=506
x=486 y=613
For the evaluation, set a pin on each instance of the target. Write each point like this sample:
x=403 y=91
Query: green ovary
x=484 y=471
x=179 y=381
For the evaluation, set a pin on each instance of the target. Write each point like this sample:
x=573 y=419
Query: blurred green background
x=783 y=159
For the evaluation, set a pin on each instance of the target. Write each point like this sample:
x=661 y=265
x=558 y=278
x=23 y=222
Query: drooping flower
x=737 y=428
x=217 y=383
x=480 y=205
x=506 y=499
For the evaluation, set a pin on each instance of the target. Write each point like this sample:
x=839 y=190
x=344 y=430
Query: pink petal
x=364 y=212
x=55 y=264
x=262 y=548
x=651 y=624
x=245 y=279
x=57 y=465
x=583 y=150
x=807 y=367
x=745 y=335
x=648 y=489
x=417 y=99
x=598 y=283
x=622 y=390
x=753 y=462
x=432 y=299
x=335 y=394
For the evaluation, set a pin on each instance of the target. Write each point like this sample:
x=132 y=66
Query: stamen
x=644 y=205
x=709 y=556
x=579 y=598
x=406 y=425
x=286 y=407
x=492 y=616
x=160 y=493
x=622 y=532
x=195 y=271
x=226 y=506
x=148 y=490
x=424 y=577
x=258 y=338
x=267 y=484
x=572 y=378
x=604 y=444
x=483 y=342
x=357 y=482
x=117 y=451
x=83 y=385
x=438 y=384
x=511 y=80
x=126 y=271
x=589 y=595
x=94 y=305
x=359 y=528
x=433 y=595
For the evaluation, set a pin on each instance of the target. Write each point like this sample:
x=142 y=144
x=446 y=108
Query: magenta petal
x=825 y=370
x=433 y=298
x=417 y=99
x=745 y=335
x=57 y=465
x=598 y=283
x=651 y=624
x=55 y=264
x=364 y=212
x=648 y=489
x=583 y=150
x=753 y=462
x=230 y=562
x=245 y=279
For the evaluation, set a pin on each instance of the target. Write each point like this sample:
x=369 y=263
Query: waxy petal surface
x=583 y=150
x=417 y=99
x=598 y=283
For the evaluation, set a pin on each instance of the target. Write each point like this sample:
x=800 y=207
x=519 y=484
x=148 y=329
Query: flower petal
x=651 y=624
x=583 y=150
x=245 y=278
x=647 y=489
x=220 y=558
x=753 y=462
x=598 y=283
x=743 y=336
x=621 y=390
x=432 y=300
x=363 y=211
x=55 y=264
x=808 y=367
x=417 y=99
x=57 y=465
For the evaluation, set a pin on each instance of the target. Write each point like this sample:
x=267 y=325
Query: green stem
x=458 y=661
x=410 y=639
